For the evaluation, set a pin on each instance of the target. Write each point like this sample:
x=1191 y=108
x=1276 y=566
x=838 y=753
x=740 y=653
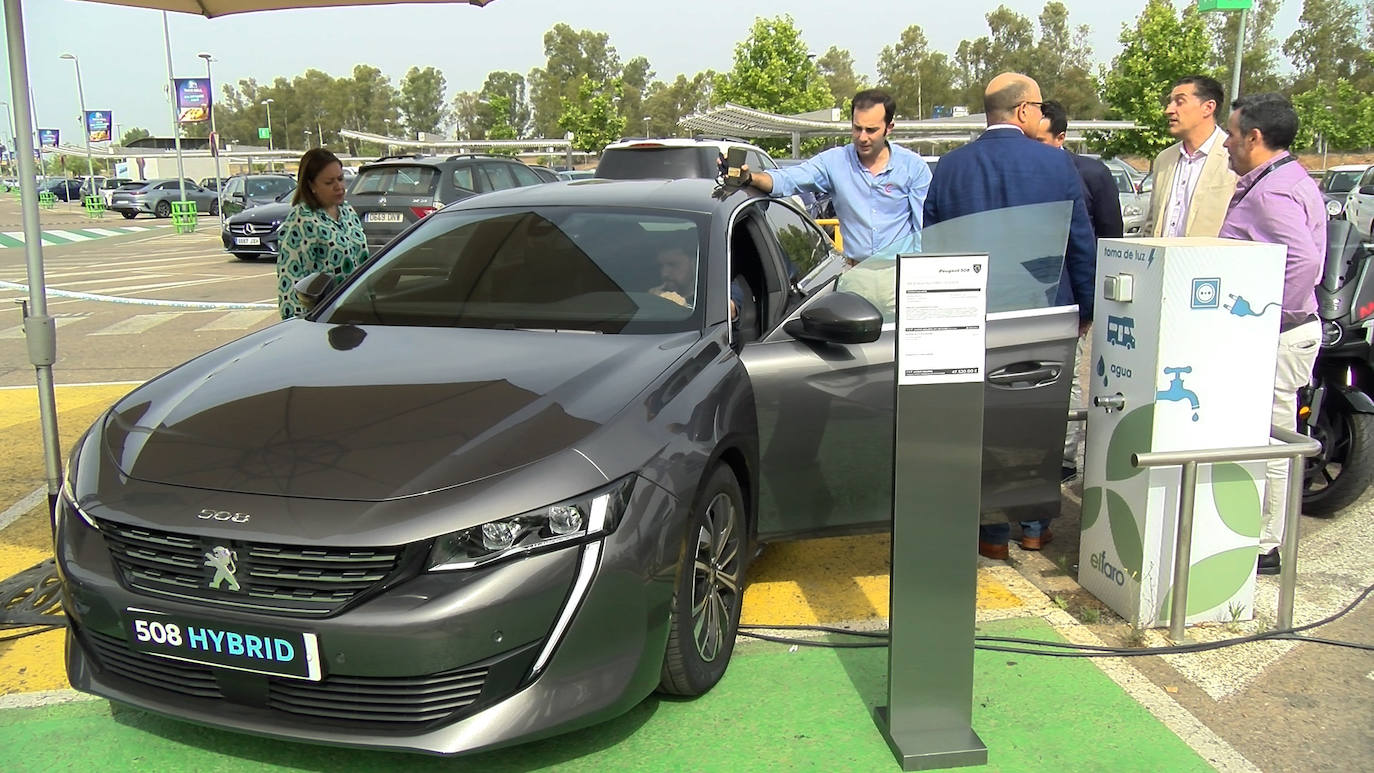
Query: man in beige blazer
x=1193 y=179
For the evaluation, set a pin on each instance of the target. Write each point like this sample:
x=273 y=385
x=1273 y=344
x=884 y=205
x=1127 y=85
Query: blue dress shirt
x=879 y=214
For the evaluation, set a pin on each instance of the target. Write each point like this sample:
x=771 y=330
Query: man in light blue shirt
x=879 y=189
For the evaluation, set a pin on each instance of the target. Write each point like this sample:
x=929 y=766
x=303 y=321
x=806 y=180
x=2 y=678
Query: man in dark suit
x=1007 y=167
x=1104 y=210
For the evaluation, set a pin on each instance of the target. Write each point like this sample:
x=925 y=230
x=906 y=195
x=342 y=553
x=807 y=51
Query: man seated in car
x=677 y=273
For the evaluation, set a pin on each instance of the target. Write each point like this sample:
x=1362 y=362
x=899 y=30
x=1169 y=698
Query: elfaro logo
x=1100 y=563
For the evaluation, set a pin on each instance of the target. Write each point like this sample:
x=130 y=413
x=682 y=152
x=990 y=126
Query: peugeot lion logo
x=222 y=559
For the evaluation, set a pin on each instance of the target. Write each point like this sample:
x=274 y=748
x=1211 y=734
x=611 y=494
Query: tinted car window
x=1340 y=182
x=524 y=175
x=1123 y=182
x=651 y=163
x=269 y=186
x=462 y=177
x=557 y=268
x=398 y=180
x=803 y=245
x=500 y=177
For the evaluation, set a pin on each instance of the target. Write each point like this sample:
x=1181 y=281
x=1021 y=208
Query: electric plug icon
x=1242 y=308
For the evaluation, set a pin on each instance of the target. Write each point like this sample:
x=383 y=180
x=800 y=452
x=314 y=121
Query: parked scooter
x=1336 y=408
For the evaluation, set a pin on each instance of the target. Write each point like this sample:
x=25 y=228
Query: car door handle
x=1025 y=375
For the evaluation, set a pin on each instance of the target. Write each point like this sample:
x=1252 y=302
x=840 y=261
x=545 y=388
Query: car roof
x=1349 y=168
x=431 y=160
x=680 y=142
x=686 y=194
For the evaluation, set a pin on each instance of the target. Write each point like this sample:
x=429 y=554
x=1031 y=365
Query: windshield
x=556 y=268
x=397 y=180
x=268 y=187
x=652 y=163
x=1341 y=182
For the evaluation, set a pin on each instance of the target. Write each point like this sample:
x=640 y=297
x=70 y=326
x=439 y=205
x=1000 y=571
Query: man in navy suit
x=1008 y=167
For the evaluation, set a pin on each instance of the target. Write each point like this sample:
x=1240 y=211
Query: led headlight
x=590 y=516
x=1333 y=208
x=1130 y=210
x=68 y=493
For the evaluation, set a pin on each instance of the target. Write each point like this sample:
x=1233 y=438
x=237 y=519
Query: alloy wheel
x=715 y=577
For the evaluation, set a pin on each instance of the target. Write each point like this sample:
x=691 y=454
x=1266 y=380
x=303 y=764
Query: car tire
x=163 y=208
x=214 y=208
x=709 y=591
x=129 y=215
x=1339 y=475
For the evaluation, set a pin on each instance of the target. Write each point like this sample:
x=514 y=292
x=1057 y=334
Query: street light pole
x=85 y=129
x=214 y=141
x=1240 y=53
x=9 y=124
x=268 y=102
x=307 y=134
x=172 y=103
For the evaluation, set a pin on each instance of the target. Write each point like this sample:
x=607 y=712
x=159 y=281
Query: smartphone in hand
x=734 y=159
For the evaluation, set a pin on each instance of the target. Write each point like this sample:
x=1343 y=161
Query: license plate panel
x=248 y=241
x=253 y=648
x=384 y=217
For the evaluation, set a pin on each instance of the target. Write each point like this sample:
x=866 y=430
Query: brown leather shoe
x=995 y=552
x=1035 y=543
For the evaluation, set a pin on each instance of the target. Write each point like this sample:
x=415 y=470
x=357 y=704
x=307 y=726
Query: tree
x=1009 y=46
x=369 y=104
x=915 y=77
x=1326 y=45
x=136 y=133
x=837 y=67
x=503 y=112
x=1339 y=113
x=466 y=115
x=1163 y=47
x=570 y=55
x=1259 y=67
x=667 y=104
x=772 y=71
x=634 y=87
x=1063 y=63
x=422 y=100
x=592 y=117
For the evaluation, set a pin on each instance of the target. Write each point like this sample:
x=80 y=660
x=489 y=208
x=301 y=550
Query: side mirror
x=837 y=318
x=1146 y=185
x=313 y=287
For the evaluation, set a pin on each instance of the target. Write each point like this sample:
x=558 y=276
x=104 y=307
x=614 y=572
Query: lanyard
x=1262 y=175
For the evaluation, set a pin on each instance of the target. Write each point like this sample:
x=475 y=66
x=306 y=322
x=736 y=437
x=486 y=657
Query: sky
x=124 y=62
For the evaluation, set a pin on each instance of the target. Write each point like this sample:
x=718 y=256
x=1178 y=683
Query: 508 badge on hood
x=223 y=515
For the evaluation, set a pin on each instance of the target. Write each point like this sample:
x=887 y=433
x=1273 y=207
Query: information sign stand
x=937 y=478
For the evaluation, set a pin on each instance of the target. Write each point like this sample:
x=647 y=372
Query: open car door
x=825 y=411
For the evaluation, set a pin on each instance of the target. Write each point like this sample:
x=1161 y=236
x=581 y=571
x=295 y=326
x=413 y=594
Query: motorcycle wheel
x=1339 y=475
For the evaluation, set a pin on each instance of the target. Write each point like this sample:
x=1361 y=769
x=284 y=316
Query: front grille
x=250 y=229
x=406 y=701
x=309 y=581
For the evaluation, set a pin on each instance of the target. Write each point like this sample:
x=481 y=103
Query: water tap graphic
x=1176 y=392
x=1242 y=308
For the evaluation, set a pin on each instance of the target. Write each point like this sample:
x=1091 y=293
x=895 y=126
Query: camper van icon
x=1121 y=331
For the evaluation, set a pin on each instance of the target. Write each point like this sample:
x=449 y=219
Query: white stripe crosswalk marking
x=237 y=320
x=102 y=231
x=60 y=321
x=68 y=235
x=135 y=324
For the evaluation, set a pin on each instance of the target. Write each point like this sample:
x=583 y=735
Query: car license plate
x=259 y=649
x=244 y=241
x=384 y=217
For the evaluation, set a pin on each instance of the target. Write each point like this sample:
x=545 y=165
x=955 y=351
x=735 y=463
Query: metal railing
x=830 y=221
x=1293 y=447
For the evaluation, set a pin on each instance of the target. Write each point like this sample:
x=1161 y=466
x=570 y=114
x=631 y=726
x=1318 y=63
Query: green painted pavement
x=775 y=710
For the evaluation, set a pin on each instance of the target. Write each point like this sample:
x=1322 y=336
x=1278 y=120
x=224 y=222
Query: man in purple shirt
x=1278 y=203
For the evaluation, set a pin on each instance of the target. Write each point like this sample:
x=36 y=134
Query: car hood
x=262 y=213
x=305 y=409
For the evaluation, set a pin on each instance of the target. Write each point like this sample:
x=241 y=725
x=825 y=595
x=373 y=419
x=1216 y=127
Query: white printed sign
x=941 y=318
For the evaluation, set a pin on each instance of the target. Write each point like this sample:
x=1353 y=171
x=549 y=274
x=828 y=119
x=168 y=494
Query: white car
x=1359 y=204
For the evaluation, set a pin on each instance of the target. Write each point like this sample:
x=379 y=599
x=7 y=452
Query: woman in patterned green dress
x=321 y=233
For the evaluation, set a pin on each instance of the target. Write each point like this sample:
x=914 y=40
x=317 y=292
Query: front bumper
x=267 y=243
x=437 y=662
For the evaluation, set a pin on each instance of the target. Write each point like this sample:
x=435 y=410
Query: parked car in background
x=576 y=174
x=1359 y=204
x=210 y=183
x=675 y=158
x=1135 y=206
x=65 y=189
x=111 y=184
x=155 y=197
x=395 y=192
x=247 y=191
x=499 y=484
x=817 y=205
x=251 y=234
x=545 y=173
x=1337 y=184
x=1117 y=164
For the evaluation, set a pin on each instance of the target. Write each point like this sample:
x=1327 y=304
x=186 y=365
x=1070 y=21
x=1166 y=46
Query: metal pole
x=214 y=143
x=1183 y=551
x=1240 y=51
x=40 y=332
x=85 y=129
x=1288 y=549
x=268 y=102
x=176 y=124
